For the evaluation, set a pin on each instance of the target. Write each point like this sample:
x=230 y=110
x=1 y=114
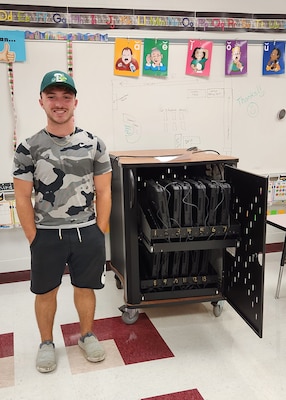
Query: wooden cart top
x=169 y=156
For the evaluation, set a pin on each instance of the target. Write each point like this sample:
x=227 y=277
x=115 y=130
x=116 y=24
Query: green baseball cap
x=54 y=78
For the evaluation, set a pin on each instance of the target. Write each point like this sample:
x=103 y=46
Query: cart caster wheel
x=118 y=282
x=217 y=308
x=130 y=316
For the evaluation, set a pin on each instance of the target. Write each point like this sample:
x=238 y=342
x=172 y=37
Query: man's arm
x=23 y=192
x=102 y=185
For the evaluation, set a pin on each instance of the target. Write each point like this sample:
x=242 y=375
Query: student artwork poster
x=127 y=54
x=199 y=58
x=236 y=57
x=273 y=58
x=156 y=53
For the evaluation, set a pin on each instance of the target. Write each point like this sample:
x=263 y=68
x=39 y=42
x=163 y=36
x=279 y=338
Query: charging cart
x=187 y=226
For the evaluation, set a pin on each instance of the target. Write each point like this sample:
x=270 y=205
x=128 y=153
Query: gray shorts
x=82 y=249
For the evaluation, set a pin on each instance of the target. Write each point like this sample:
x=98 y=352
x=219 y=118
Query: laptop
x=198 y=201
x=176 y=262
x=164 y=265
x=185 y=260
x=212 y=198
x=223 y=207
x=156 y=198
x=174 y=199
x=187 y=206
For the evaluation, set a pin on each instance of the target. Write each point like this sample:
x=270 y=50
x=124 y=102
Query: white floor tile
x=220 y=356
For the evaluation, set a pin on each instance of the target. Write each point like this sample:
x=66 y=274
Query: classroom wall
x=233 y=115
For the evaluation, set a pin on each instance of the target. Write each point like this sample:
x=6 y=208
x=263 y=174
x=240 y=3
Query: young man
x=66 y=167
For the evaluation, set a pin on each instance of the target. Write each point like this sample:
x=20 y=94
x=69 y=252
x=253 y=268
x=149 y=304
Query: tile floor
x=177 y=352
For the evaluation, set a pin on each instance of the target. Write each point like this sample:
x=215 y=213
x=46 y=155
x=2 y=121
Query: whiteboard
x=232 y=115
x=178 y=111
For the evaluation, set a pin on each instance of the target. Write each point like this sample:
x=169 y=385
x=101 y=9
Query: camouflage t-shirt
x=62 y=171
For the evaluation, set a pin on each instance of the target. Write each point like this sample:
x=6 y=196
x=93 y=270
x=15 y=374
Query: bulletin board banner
x=106 y=18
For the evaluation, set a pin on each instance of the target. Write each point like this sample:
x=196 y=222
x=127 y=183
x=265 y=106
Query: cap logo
x=59 y=78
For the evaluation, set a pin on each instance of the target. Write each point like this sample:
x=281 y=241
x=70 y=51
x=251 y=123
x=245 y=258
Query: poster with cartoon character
x=127 y=54
x=236 y=57
x=156 y=53
x=12 y=46
x=199 y=58
x=273 y=58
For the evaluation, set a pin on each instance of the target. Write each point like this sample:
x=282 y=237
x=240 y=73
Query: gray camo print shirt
x=62 y=172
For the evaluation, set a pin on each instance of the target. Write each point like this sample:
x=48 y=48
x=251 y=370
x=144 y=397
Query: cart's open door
x=244 y=265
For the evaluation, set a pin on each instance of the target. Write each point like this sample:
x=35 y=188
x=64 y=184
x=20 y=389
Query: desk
x=279 y=221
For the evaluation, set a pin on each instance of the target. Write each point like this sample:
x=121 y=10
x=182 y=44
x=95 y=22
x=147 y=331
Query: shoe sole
x=98 y=359
x=45 y=370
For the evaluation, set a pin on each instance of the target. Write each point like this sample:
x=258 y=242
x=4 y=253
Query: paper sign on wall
x=156 y=53
x=6 y=219
x=127 y=54
x=236 y=57
x=273 y=58
x=12 y=46
x=199 y=57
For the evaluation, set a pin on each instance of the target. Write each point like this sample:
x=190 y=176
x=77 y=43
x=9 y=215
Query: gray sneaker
x=92 y=348
x=46 y=357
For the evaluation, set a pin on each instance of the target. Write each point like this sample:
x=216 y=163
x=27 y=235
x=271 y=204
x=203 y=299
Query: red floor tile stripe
x=136 y=343
x=6 y=345
x=185 y=395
